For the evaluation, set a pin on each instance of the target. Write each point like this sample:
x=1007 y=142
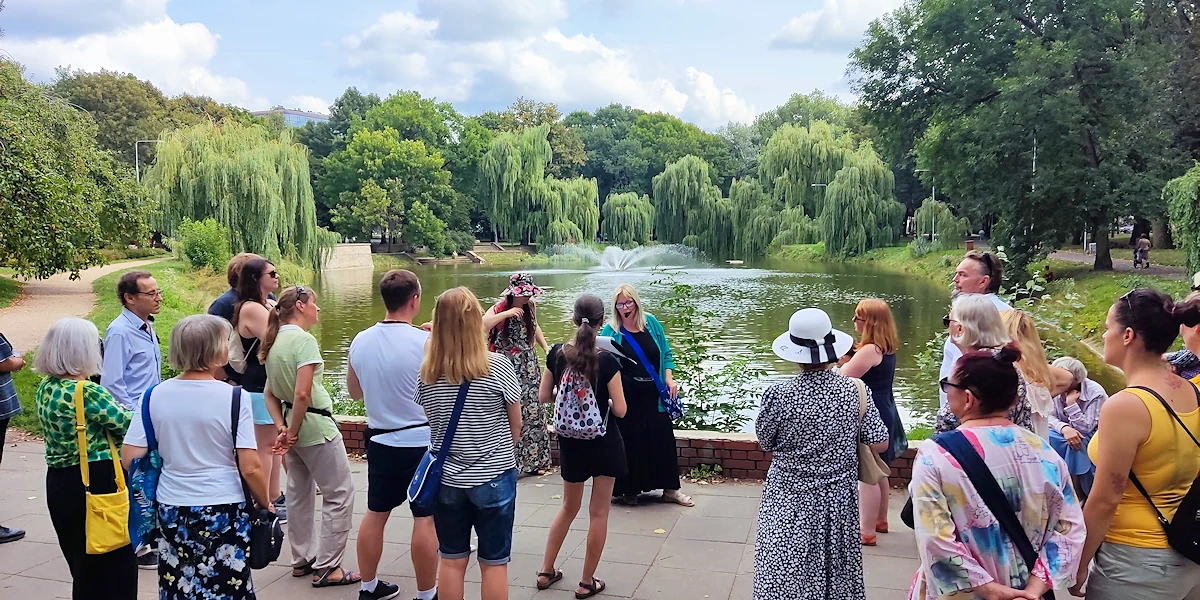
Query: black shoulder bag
x=985 y=483
x=1183 y=530
x=266 y=534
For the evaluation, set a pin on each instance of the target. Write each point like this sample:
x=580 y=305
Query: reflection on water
x=751 y=305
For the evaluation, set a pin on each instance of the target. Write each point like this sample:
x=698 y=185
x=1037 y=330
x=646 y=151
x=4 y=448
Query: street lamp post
x=933 y=215
x=137 y=170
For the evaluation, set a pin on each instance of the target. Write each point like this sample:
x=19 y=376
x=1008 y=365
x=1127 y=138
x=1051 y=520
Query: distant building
x=293 y=117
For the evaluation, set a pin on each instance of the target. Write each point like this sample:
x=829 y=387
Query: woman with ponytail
x=578 y=367
x=316 y=455
x=1141 y=431
x=962 y=545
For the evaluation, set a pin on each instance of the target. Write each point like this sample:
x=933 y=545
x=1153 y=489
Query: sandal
x=679 y=498
x=552 y=578
x=596 y=587
x=867 y=540
x=303 y=570
x=881 y=527
x=348 y=578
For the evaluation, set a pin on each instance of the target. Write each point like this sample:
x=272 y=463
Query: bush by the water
x=460 y=241
x=205 y=243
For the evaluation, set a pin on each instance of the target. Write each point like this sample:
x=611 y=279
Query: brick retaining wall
x=738 y=453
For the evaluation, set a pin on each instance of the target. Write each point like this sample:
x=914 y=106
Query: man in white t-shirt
x=384 y=365
x=978 y=273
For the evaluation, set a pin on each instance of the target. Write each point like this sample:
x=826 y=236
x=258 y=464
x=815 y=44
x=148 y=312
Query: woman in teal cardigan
x=646 y=428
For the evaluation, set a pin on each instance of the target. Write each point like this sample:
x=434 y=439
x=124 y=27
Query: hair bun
x=1186 y=313
x=1008 y=354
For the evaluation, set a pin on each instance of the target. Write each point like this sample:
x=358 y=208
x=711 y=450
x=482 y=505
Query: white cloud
x=838 y=26
x=402 y=50
x=77 y=17
x=478 y=20
x=171 y=55
x=309 y=103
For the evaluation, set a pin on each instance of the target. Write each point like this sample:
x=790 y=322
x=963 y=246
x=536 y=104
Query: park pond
x=749 y=306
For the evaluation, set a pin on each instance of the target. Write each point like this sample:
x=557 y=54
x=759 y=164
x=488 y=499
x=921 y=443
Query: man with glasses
x=978 y=273
x=132 y=356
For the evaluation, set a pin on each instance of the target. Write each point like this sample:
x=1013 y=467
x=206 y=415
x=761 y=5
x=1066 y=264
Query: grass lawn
x=186 y=291
x=9 y=290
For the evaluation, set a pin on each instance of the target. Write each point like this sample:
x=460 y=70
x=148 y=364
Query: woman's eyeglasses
x=945 y=383
x=858 y=319
x=946 y=321
x=625 y=305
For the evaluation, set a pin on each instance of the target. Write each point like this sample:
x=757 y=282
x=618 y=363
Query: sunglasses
x=946 y=321
x=273 y=274
x=945 y=383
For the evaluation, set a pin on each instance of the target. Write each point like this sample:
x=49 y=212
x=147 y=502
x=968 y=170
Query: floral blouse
x=961 y=544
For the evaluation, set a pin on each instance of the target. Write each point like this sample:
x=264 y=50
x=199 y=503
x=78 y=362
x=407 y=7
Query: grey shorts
x=1121 y=572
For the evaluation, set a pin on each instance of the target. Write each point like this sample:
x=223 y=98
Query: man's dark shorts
x=389 y=471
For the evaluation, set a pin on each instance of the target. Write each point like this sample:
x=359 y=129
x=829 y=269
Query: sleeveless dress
x=880 y=379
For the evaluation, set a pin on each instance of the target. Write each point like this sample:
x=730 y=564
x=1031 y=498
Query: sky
x=707 y=61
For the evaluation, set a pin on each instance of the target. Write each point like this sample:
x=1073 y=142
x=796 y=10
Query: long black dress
x=880 y=379
x=648 y=433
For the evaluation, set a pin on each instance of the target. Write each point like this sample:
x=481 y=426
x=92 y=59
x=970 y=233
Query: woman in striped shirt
x=479 y=478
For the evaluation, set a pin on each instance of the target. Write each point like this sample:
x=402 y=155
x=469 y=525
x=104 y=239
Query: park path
x=44 y=301
x=1120 y=264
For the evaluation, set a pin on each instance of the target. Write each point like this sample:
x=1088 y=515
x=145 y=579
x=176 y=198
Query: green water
x=752 y=305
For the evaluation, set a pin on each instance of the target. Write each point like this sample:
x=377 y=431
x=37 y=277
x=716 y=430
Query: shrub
x=460 y=241
x=204 y=243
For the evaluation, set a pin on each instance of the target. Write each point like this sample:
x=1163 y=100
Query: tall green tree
x=323 y=139
x=567 y=149
x=799 y=161
x=1183 y=198
x=801 y=110
x=614 y=160
x=255 y=185
x=513 y=177
x=681 y=193
x=628 y=219
x=859 y=211
x=664 y=139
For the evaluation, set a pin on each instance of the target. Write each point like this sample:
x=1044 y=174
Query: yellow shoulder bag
x=107 y=525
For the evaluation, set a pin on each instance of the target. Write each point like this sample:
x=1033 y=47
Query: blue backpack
x=143 y=484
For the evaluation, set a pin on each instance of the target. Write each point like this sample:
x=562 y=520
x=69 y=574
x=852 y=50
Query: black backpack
x=1183 y=531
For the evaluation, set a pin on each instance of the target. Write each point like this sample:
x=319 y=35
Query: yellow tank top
x=1166 y=463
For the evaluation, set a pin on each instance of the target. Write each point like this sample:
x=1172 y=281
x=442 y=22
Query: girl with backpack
x=584 y=383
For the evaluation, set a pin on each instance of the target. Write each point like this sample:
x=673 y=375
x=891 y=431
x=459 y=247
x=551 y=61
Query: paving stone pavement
x=705 y=552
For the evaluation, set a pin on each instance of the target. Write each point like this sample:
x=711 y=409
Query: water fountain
x=615 y=258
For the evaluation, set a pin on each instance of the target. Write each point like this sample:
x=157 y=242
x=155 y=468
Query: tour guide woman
x=646 y=428
x=512 y=332
x=1138 y=433
x=808 y=545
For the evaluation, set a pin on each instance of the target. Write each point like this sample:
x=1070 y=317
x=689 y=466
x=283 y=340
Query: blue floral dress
x=203 y=552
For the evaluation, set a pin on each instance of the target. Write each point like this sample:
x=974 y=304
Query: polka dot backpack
x=576 y=410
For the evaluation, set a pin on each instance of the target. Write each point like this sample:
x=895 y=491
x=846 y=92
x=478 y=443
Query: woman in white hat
x=808 y=545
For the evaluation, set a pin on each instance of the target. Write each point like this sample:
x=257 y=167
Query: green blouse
x=56 y=411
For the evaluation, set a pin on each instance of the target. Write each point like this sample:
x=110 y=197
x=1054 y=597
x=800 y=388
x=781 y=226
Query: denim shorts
x=261 y=415
x=490 y=508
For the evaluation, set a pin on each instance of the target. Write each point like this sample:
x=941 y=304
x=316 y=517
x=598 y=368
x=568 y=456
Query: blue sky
x=707 y=61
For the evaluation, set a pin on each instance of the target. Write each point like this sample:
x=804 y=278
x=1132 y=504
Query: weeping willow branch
x=628 y=219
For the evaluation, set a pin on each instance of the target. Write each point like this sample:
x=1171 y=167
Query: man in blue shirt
x=132 y=356
x=10 y=362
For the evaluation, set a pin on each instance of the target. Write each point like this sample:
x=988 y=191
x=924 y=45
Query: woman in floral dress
x=512 y=331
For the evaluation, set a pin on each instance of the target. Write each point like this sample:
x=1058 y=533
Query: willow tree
x=755 y=218
x=796 y=158
x=795 y=227
x=255 y=184
x=1183 y=202
x=513 y=180
x=582 y=203
x=564 y=202
x=944 y=226
x=628 y=219
x=860 y=212
x=679 y=195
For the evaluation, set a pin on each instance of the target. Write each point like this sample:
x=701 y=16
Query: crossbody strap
x=235 y=414
x=989 y=490
x=147 y=424
x=1162 y=519
x=637 y=349
x=81 y=435
x=448 y=439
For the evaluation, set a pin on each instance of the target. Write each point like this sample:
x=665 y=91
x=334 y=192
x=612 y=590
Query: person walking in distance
x=978 y=273
x=10 y=406
x=384 y=365
x=132 y=356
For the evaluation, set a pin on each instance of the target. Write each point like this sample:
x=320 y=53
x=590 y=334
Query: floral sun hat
x=521 y=284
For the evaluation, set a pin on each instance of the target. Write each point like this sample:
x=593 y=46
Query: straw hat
x=811 y=339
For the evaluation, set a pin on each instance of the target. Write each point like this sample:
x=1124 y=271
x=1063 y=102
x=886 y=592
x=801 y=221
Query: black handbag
x=985 y=484
x=1183 y=530
x=266 y=534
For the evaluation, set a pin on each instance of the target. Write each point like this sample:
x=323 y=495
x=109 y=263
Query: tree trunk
x=1160 y=234
x=1140 y=226
x=495 y=235
x=1100 y=234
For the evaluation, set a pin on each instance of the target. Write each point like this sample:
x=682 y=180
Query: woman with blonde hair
x=874 y=362
x=68 y=356
x=316 y=454
x=479 y=477
x=646 y=428
x=1042 y=381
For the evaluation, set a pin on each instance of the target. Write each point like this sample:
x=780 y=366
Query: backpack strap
x=993 y=496
x=235 y=414
x=147 y=424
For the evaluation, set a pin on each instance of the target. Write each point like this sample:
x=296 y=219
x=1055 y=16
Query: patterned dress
x=511 y=339
x=203 y=552
x=808 y=546
x=959 y=541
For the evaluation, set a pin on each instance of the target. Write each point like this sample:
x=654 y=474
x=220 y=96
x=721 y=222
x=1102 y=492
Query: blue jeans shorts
x=259 y=403
x=489 y=508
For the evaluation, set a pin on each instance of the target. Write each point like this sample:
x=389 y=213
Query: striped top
x=482 y=448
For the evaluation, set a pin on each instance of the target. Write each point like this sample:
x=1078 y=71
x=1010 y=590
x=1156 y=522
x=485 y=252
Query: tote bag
x=106 y=524
x=871 y=468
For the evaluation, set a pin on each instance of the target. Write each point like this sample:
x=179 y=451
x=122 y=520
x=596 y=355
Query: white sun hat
x=811 y=339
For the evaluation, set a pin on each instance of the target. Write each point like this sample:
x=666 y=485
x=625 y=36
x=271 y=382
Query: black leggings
x=110 y=576
x=3 y=433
